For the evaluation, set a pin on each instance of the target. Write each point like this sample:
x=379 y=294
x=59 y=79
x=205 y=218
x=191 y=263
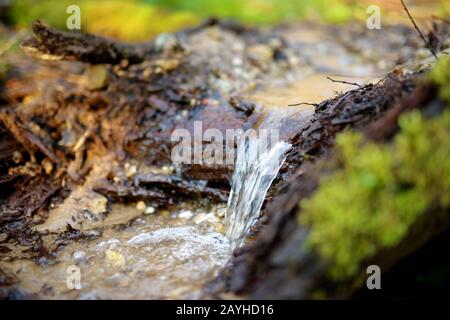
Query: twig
x=418 y=30
x=303 y=103
x=344 y=82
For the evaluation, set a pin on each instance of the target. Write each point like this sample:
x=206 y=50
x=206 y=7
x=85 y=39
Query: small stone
x=130 y=170
x=165 y=214
x=47 y=165
x=167 y=170
x=166 y=65
x=149 y=210
x=206 y=218
x=221 y=212
x=186 y=214
x=79 y=257
x=237 y=62
x=141 y=206
x=165 y=42
x=261 y=54
x=97 y=76
x=139 y=221
x=124 y=63
x=114 y=258
x=17 y=157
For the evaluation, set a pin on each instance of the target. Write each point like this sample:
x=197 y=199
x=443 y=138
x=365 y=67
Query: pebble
x=220 y=212
x=237 y=62
x=208 y=218
x=97 y=76
x=141 y=206
x=167 y=170
x=79 y=257
x=48 y=166
x=149 y=210
x=165 y=42
x=114 y=258
x=165 y=214
x=130 y=170
x=261 y=53
x=186 y=214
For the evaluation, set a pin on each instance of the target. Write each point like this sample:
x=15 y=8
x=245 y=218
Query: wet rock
x=166 y=42
x=206 y=218
x=97 y=76
x=260 y=54
x=149 y=210
x=141 y=206
x=245 y=106
x=79 y=257
x=186 y=214
x=220 y=212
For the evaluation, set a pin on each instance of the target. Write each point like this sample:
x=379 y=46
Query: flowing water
x=253 y=174
x=175 y=252
x=155 y=256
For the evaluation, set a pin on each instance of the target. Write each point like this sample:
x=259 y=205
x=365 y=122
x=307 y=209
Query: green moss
x=150 y=18
x=380 y=190
x=267 y=11
x=3 y=70
x=441 y=76
x=109 y=17
x=24 y=12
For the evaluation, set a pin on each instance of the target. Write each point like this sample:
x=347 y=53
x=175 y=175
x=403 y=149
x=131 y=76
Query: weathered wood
x=51 y=44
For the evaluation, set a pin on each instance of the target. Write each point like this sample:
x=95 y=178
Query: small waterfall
x=253 y=174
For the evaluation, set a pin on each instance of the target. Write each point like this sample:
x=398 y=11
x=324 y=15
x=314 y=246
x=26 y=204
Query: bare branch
x=303 y=103
x=418 y=30
x=344 y=82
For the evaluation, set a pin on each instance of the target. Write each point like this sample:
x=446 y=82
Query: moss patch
x=380 y=190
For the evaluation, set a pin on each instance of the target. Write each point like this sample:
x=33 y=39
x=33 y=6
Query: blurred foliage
x=129 y=20
x=266 y=11
x=3 y=70
x=441 y=76
x=135 y=20
x=141 y=19
x=380 y=190
x=132 y=20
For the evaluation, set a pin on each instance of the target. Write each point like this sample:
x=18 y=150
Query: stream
x=134 y=251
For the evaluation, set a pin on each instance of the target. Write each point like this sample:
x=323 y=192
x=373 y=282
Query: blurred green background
x=135 y=20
